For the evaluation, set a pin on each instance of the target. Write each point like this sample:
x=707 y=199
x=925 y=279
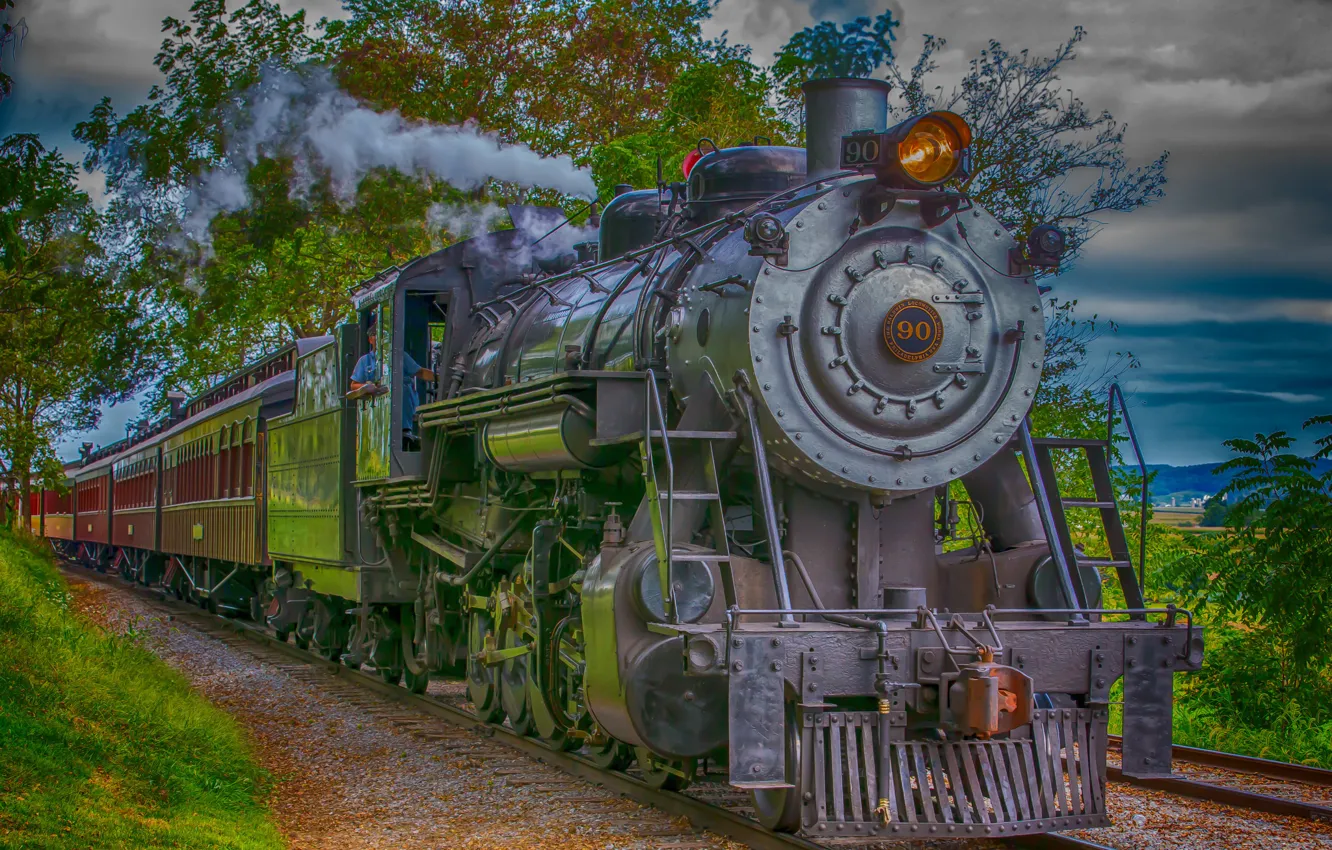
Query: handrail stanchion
x=1044 y=508
x=769 y=509
x=1117 y=393
x=652 y=404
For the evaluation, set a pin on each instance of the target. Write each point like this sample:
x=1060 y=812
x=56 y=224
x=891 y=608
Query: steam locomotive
x=684 y=495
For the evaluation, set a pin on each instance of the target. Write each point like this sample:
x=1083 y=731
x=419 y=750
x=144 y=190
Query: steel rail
x=1215 y=793
x=700 y=813
x=1244 y=764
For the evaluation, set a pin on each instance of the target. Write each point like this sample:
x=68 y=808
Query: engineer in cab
x=363 y=385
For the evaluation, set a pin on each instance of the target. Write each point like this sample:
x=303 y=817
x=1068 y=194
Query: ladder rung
x=1103 y=562
x=693 y=495
x=1085 y=503
x=695 y=556
x=1068 y=443
x=696 y=435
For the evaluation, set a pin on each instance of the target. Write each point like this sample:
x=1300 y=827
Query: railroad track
x=1216 y=789
x=1245 y=764
x=712 y=805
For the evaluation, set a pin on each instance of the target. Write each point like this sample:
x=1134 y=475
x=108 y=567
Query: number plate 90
x=861 y=150
x=913 y=330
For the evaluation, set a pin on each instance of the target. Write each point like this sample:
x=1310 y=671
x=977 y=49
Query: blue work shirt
x=365 y=372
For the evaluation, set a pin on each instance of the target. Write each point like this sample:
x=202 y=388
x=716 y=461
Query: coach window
x=224 y=461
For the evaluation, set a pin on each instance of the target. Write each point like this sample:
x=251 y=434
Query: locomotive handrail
x=1170 y=612
x=652 y=403
x=1046 y=510
x=1117 y=393
x=728 y=220
x=765 y=498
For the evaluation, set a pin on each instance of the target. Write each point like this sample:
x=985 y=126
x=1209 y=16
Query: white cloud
x=1176 y=310
x=106 y=45
x=1185 y=388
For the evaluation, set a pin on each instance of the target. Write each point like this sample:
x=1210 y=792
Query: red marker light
x=690 y=159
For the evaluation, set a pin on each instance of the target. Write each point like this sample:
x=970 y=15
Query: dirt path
x=351 y=775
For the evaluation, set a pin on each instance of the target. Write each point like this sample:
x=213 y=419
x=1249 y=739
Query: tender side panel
x=305 y=467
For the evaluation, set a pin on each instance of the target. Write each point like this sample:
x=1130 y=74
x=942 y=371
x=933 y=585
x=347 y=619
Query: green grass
x=1292 y=735
x=101 y=744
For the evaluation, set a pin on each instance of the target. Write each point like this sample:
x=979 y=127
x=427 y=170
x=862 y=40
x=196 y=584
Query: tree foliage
x=1270 y=570
x=1039 y=155
x=858 y=49
x=279 y=268
x=12 y=34
x=72 y=335
x=562 y=76
x=722 y=97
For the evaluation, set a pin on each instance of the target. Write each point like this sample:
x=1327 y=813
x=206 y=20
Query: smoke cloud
x=326 y=131
x=547 y=234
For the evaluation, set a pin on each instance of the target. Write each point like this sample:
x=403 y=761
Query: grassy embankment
x=101 y=744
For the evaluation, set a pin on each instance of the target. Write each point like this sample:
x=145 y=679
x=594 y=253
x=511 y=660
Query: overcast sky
x=1223 y=290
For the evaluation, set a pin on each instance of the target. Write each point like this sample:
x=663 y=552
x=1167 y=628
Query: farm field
x=1184 y=519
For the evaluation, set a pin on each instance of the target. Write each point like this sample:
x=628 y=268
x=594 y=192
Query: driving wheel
x=482 y=680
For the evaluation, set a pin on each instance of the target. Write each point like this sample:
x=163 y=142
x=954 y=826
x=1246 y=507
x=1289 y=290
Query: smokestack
x=84 y=451
x=835 y=108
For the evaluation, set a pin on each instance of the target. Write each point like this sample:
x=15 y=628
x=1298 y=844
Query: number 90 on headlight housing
x=919 y=153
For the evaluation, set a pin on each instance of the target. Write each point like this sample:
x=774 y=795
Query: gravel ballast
x=353 y=770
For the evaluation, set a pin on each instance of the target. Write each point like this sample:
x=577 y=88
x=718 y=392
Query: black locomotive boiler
x=685 y=497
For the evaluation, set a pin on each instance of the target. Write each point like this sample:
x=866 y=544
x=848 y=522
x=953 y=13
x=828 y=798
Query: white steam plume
x=546 y=237
x=324 y=130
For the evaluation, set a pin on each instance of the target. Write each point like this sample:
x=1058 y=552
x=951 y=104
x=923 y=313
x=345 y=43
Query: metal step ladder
x=1054 y=506
x=662 y=500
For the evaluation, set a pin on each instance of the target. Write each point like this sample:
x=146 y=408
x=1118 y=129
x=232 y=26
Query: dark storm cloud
x=77 y=51
x=1223 y=290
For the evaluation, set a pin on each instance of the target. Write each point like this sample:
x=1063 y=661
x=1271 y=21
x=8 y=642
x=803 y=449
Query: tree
x=279 y=267
x=562 y=76
x=1033 y=139
x=1262 y=589
x=858 y=49
x=722 y=97
x=11 y=36
x=72 y=336
x=1271 y=569
x=1214 y=513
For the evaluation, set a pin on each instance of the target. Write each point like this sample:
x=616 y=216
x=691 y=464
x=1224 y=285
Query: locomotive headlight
x=931 y=150
x=918 y=153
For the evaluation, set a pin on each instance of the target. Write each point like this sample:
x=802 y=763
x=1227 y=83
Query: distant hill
x=1185 y=482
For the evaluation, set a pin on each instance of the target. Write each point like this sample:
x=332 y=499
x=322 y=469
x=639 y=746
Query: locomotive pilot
x=362 y=378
